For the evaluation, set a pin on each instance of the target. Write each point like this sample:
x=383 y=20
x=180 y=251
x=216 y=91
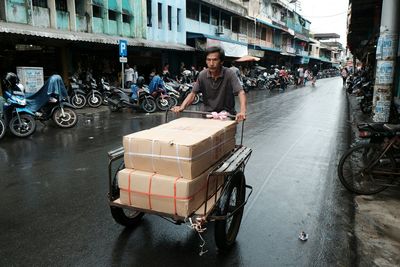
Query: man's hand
x=241 y=116
x=177 y=109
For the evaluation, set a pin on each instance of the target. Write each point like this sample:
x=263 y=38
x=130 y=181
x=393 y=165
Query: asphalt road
x=54 y=209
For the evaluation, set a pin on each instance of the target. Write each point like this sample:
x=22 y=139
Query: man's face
x=213 y=61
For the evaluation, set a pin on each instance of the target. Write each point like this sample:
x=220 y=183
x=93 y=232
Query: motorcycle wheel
x=2 y=128
x=163 y=104
x=196 y=99
x=148 y=105
x=69 y=119
x=173 y=101
x=23 y=128
x=78 y=100
x=94 y=100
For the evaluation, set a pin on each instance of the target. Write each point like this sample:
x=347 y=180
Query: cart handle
x=206 y=113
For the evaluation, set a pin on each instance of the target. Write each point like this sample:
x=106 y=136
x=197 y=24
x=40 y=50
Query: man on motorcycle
x=219 y=85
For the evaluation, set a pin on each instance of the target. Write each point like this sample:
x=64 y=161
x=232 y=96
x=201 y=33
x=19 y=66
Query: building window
x=178 y=19
x=235 y=24
x=192 y=10
x=97 y=12
x=159 y=15
x=263 y=34
x=169 y=18
x=214 y=17
x=149 y=14
x=205 y=14
x=39 y=3
x=226 y=20
x=61 y=5
x=126 y=18
x=112 y=15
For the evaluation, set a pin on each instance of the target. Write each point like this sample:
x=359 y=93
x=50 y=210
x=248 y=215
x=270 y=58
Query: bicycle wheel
x=358 y=176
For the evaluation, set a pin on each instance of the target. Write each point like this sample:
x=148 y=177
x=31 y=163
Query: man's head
x=215 y=57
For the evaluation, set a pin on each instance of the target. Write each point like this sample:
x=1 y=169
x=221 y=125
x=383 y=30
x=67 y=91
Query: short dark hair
x=214 y=49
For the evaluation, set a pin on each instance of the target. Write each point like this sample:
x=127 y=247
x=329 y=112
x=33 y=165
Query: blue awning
x=269 y=24
x=260 y=47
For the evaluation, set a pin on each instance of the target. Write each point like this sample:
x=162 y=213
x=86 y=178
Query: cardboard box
x=167 y=194
x=184 y=147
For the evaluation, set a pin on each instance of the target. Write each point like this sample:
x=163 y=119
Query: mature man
x=219 y=85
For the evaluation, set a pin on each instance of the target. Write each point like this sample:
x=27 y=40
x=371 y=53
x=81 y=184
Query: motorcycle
x=76 y=92
x=158 y=92
x=51 y=102
x=20 y=120
x=137 y=97
x=93 y=96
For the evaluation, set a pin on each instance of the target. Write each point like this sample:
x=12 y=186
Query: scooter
x=137 y=98
x=20 y=120
x=76 y=93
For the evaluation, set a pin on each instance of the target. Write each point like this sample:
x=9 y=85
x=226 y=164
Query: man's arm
x=187 y=102
x=243 y=105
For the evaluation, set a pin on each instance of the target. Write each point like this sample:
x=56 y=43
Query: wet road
x=54 y=208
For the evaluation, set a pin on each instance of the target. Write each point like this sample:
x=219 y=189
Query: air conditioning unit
x=220 y=30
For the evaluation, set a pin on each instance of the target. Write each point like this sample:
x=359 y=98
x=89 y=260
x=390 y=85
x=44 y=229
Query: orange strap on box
x=129 y=187
x=149 y=193
x=176 y=180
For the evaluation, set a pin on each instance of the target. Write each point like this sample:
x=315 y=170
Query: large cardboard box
x=167 y=194
x=184 y=147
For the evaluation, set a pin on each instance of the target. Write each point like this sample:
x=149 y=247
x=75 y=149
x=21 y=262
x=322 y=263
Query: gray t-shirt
x=218 y=94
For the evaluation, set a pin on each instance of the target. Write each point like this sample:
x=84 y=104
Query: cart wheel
x=125 y=217
x=235 y=194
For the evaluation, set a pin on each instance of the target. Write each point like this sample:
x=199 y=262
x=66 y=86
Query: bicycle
x=370 y=168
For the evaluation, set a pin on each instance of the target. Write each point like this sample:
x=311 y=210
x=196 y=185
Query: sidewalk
x=377 y=217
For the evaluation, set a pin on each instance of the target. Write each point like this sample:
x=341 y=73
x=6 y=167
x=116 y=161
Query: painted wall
x=16 y=11
x=41 y=17
x=62 y=20
x=159 y=29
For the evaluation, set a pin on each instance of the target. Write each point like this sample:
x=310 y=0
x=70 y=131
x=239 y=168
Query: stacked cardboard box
x=168 y=166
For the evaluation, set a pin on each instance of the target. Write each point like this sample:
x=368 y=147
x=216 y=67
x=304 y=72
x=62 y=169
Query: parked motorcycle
x=51 y=102
x=20 y=120
x=93 y=96
x=76 y=93
x=137 y=98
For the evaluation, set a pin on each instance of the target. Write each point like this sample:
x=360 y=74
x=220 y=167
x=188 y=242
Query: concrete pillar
x=154 y=21
x=65 y=56
x=72 y=14
x=29 y=12
x=105 y=16
x=119 y=18
x=165 y=28
x=386 y=60
x=53 y=13
x=174 y=21
x=89 y=10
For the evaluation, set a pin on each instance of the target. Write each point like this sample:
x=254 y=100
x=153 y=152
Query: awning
x=287 y=54
x=23 y=29
x=231 y=49
x=260 y=47
x=268 y=24
x=247 y=59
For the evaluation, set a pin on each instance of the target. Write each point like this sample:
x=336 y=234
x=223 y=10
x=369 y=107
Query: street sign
x=123 y=48
x=123 y=59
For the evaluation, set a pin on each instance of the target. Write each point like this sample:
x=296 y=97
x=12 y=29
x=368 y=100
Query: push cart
x=224 y=207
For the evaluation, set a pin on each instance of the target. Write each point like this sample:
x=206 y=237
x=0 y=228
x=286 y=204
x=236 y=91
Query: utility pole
x=386 y=52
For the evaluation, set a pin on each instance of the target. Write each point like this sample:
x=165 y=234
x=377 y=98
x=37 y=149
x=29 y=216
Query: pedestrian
x=219 y=85
x=314 y=72
x=165 y=71
x=307 y=75
x=300 y=72
x=283 y=75
x=344 y=74
x=128 y=76
x=237 y=72
x=135 y=74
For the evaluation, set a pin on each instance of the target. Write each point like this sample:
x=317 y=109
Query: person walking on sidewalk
x=219 y=85
x=344 y=74
x=314 y=74
x=128 y=76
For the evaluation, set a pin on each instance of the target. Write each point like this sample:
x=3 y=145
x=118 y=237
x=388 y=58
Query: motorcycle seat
x=392 y=127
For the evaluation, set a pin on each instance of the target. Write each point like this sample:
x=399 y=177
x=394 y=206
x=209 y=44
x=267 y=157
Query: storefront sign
x=31 y=78
x=256 y=53
x=384 y=72
x=231 y=49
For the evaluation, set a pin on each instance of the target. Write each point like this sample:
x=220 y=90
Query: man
x=219 y=85
x=300 y=72
x=344 y=74
x=314 y=74
x=237 y=72
x=128 y=76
